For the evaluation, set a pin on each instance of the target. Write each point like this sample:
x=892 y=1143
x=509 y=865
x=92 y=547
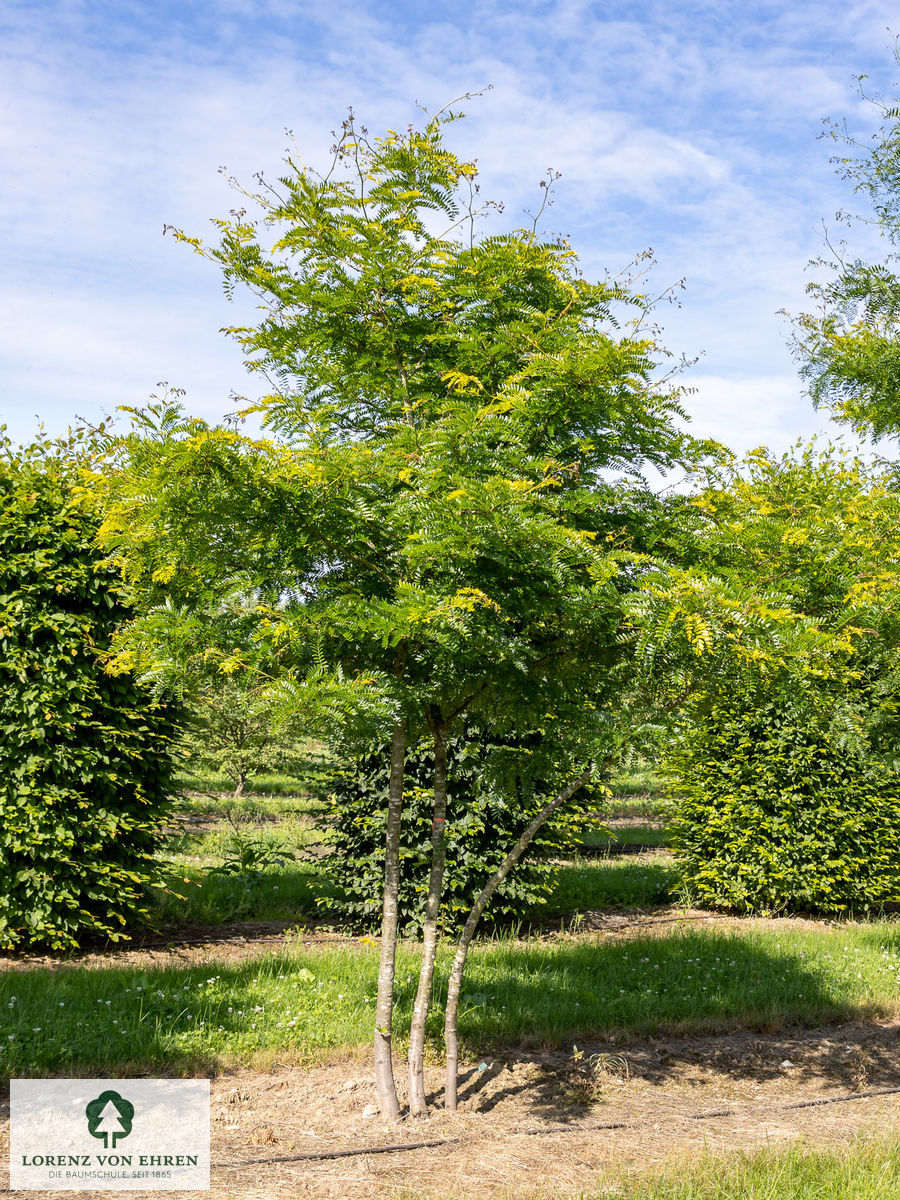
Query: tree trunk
x=385 y=1087
x=239 y=790
x=451 y=1036
x=417 y=1104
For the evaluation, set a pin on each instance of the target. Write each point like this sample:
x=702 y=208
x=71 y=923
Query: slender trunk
x=385 y=1087
x=239 y=790
x=417 y=1105
x=451 y=1036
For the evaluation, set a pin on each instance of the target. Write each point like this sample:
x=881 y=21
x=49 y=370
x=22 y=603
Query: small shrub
x=247 y=856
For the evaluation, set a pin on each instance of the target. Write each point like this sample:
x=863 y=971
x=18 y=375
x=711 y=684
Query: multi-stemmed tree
x=432 y=529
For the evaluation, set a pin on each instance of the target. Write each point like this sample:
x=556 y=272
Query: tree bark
x=239 y=790
x=385 y=1086
x=451 y=1035
x=417 y=1104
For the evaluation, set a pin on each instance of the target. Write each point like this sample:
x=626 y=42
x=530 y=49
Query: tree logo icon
x=109 y=1116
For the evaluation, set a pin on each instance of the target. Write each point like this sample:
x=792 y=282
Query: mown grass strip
x=867 y=1169
x=305 y=1005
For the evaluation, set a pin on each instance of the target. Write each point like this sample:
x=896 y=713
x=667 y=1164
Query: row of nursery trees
x=442 y=557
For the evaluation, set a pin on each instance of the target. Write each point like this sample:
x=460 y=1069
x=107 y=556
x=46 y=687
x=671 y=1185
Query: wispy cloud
x=688 y=127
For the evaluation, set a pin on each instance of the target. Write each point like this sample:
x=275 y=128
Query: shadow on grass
x=303 y=1005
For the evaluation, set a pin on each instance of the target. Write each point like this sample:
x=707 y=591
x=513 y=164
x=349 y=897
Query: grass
x=646 y=804
x=867 y=1169
x=248 y=808
x=633 y=882
x=255 y=841
x=237 y=870
x=636 y=782
x=628 y=835
x=265 y=828
x=193 y=894
x=306 y=1005
x=272 y=821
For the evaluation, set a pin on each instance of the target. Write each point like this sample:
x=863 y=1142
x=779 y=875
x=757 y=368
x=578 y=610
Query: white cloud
x=690 y=128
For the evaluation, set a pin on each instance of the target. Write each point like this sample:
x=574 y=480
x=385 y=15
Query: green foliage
x=849 y=346
x=492 y=796
x=85 y=774
x=780 y=806
x=433 y=528
x=232 y=731
x=786 y=765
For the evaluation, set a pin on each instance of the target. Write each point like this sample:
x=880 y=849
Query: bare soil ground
x=531 y=1124
x=526 y=1128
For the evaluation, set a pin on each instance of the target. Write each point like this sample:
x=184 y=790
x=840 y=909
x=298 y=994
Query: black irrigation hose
x=842 y=1099
x=255 y=1162
x=538 y=1132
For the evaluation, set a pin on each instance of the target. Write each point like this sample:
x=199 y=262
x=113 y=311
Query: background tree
x=230 y=730
x=849 y=346
x=433 y=531
x=85 y=759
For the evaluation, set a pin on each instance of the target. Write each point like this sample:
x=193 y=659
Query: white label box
x=109 y=1134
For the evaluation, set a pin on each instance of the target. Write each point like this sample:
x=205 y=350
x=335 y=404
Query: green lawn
x=867 y=1169
x=627 y=882
x=629 y=835
x=254 y=859
x=193 y=894
x=305 y=1004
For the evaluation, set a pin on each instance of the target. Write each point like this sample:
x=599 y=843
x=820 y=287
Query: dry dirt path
x=524 y=1128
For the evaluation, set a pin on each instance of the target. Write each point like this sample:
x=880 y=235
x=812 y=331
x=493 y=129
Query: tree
x=229 y=728
x=432 y=531
x=85 y=759
x=849 y=346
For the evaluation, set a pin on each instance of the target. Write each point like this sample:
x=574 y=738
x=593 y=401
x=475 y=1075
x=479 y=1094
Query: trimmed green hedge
x=491 y=800
x=778 y=810
x=85 y=772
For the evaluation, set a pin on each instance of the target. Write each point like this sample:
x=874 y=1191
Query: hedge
x=85 y=770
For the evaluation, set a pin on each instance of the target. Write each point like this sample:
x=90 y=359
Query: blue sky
x=691 y=128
